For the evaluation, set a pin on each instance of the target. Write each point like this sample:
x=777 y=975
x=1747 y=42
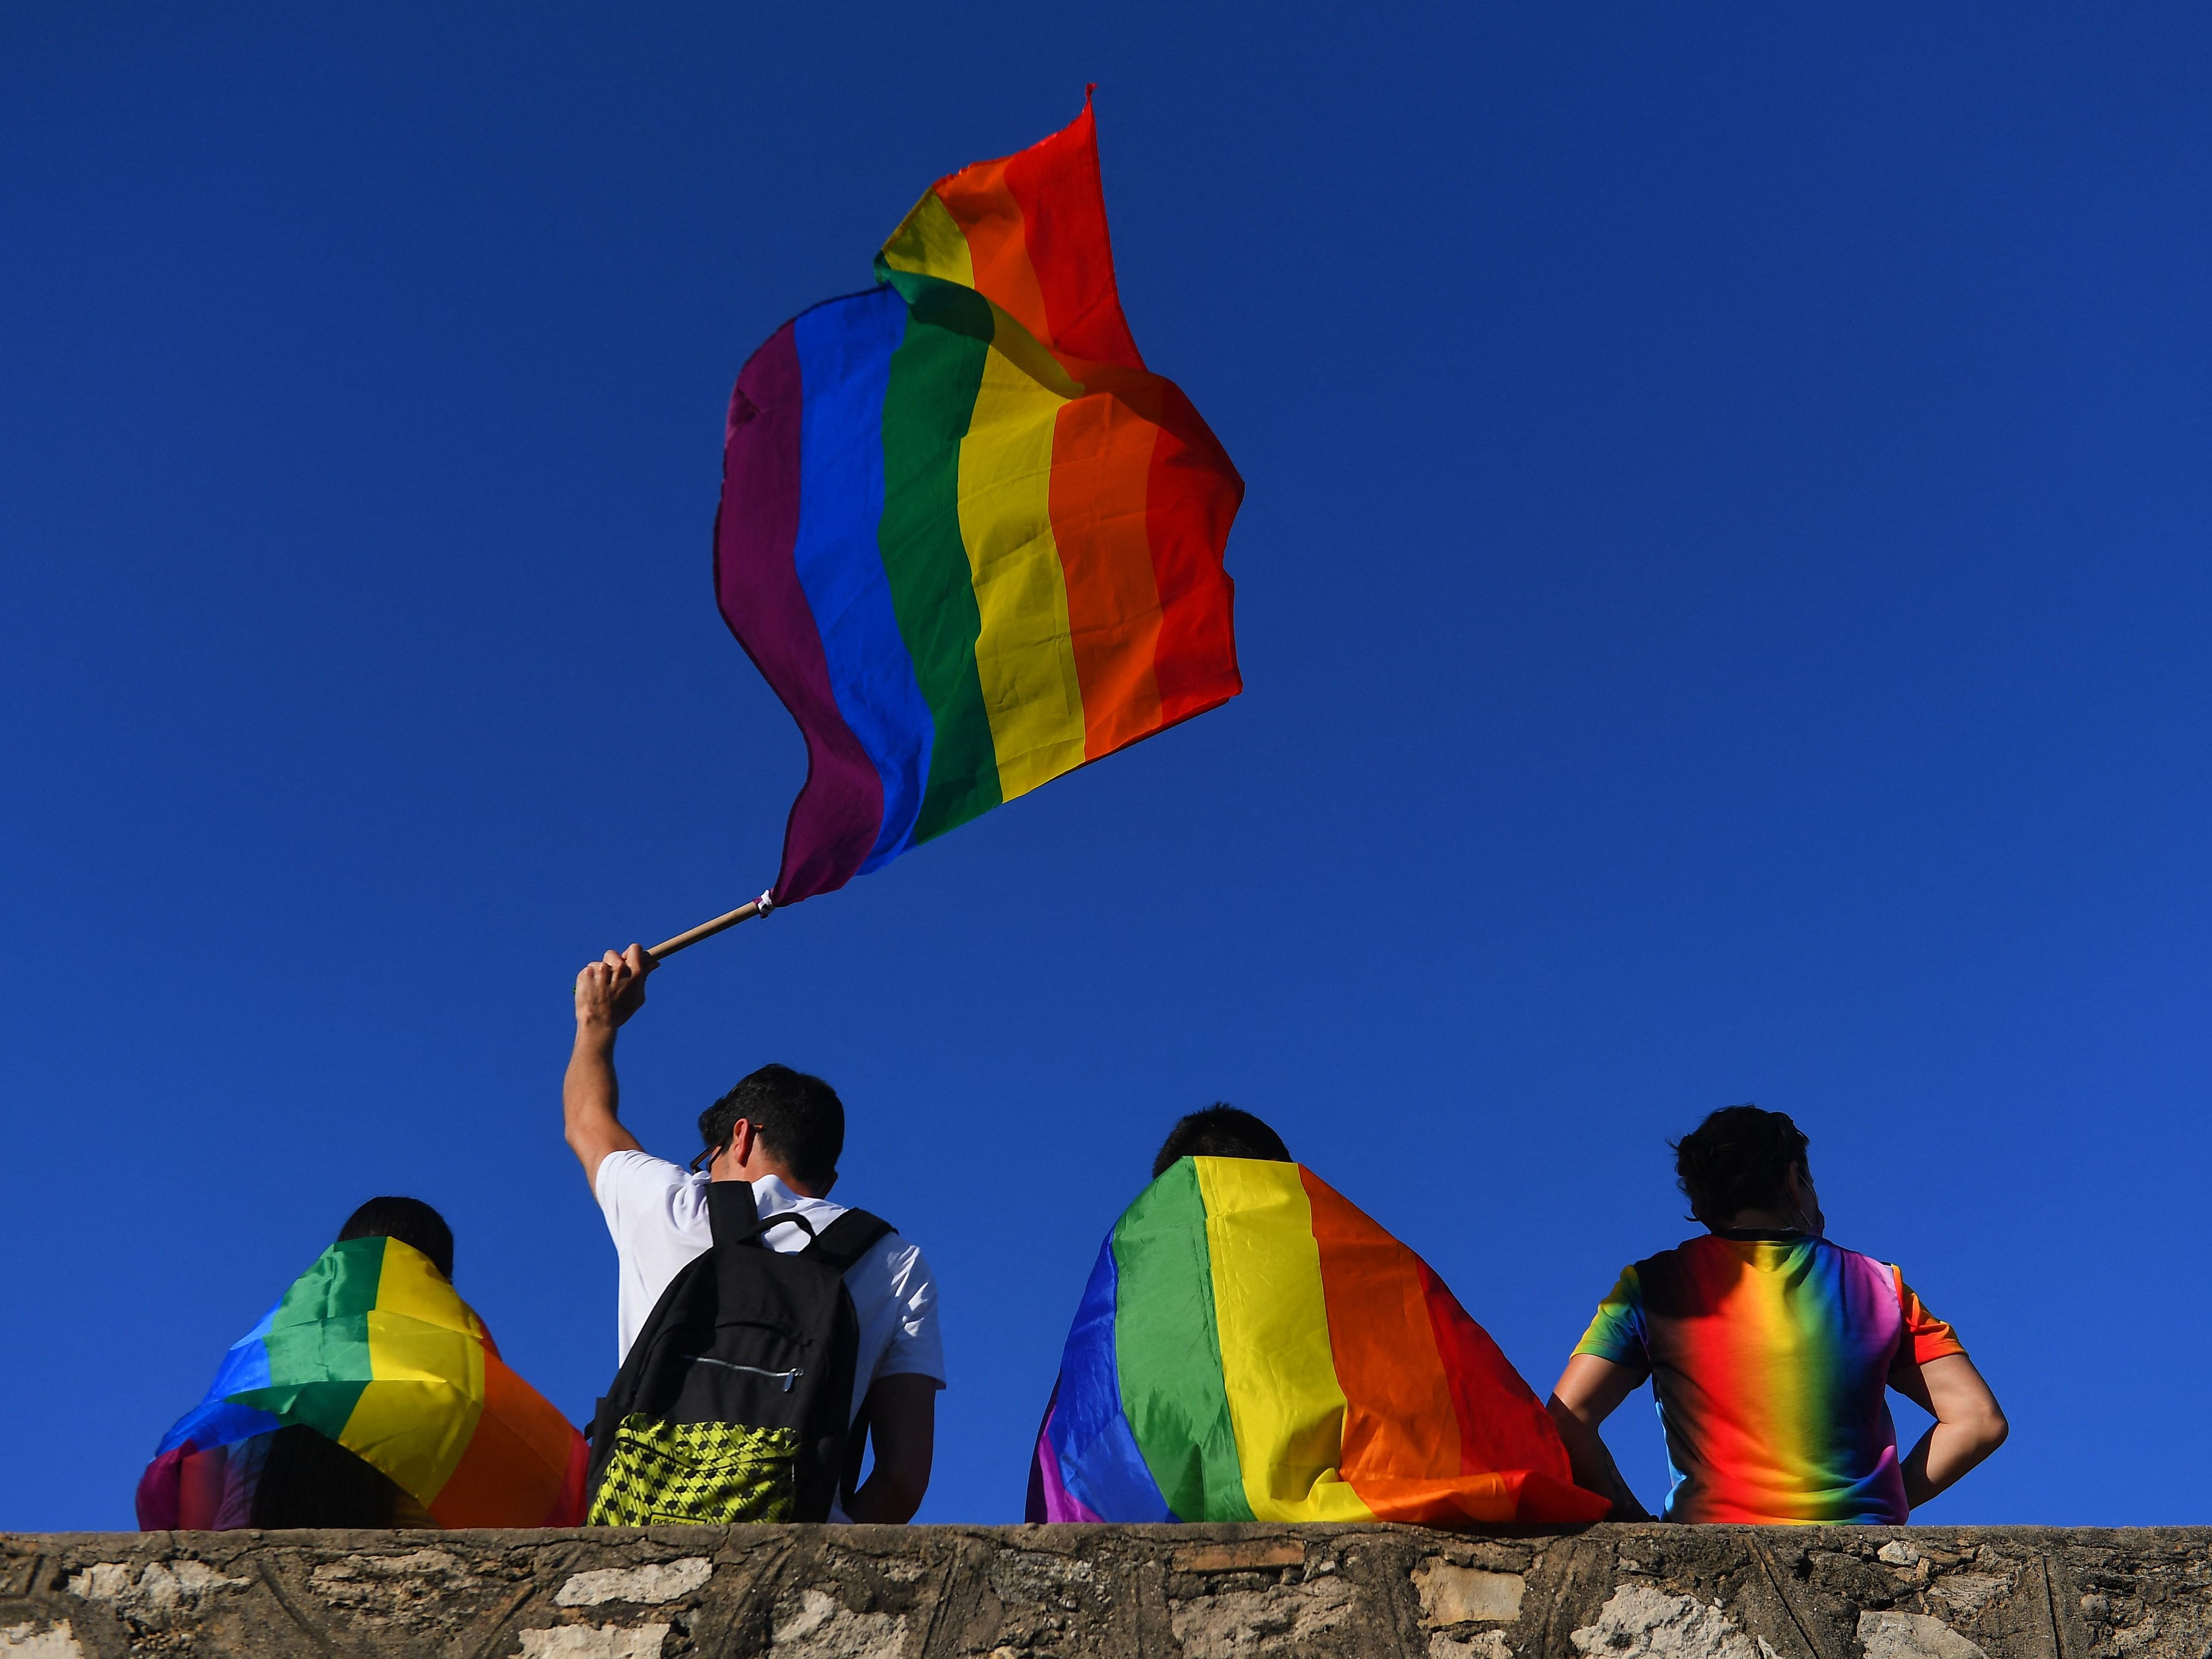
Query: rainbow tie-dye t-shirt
x=1769 y=1357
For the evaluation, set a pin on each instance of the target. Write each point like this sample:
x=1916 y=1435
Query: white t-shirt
x=658 y=1215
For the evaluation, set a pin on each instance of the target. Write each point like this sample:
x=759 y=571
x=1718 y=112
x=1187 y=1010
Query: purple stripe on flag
x=834 y=822
x=1057 y=1502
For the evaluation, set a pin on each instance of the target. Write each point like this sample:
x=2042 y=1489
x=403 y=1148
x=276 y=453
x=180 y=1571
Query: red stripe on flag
x=1192 y=498
x=1063 y=207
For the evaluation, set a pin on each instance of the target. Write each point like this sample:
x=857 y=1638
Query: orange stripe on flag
x=990 y=217
x=1438 y=1429
x=1385 y=1352
x=516 y=1466
x=1101 y=458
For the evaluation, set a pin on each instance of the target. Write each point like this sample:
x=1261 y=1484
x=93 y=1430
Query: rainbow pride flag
x=1251 y=1347
x=372 y=1349
x=968 y=537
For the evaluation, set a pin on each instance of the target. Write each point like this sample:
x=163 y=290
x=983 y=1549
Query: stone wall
x=1252 y=1592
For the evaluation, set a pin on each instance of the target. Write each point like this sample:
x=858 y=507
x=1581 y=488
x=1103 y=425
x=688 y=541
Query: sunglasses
x=708 y=1154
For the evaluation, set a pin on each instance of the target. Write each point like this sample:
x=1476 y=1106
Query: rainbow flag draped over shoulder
x=373 y=1350
x=1251 y=1347
x=968 y=537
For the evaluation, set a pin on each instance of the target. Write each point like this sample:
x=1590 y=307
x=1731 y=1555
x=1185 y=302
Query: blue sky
x=1722 y=594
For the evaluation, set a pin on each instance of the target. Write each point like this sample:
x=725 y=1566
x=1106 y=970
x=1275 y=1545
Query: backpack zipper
x=785 y=1378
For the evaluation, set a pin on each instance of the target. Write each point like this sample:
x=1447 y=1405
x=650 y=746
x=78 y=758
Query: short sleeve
x=656 y=1216
x=638 y=1193
x=916 y=1346
x=1617 y=1332
x=1926 y=1337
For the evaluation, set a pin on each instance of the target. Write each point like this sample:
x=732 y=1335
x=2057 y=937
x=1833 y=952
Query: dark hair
x=798 y=1118
x=410 y=1221
x=1739 y=1159
x=1220 y=1131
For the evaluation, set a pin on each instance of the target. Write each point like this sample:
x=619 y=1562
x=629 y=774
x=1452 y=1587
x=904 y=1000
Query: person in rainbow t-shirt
x=1769 y=1349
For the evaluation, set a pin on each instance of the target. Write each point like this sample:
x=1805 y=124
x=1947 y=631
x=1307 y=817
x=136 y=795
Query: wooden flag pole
x=691 y=936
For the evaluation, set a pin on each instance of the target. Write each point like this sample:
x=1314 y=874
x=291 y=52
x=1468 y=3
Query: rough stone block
x=1464 y=1595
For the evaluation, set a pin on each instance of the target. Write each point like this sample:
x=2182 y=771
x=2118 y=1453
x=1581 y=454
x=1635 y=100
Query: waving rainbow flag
x=372 y=1349
x=1251 y=1347
x=969 y=539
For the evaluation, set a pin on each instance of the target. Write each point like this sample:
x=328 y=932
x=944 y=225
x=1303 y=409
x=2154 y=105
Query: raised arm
x=608 y=992
x=1969 y=1425
x=1585 y=1396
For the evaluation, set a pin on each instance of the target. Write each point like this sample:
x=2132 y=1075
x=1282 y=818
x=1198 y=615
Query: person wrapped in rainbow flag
x=1251 y=1347
x=370 y=1396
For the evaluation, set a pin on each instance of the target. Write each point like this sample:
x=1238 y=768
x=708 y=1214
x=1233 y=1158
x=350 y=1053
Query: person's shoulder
x=1882 y=1280
x=902 y=1252
x=635 y=1185
x=893 y=1256
x=632 y=1168
x=893 y=1242
x=1858 y=1259
x=1674 y=1258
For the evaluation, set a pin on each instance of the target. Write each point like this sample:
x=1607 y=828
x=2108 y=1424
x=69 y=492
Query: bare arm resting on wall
x=1969 y=1425
x=1587 y=1394
x=902 y=1422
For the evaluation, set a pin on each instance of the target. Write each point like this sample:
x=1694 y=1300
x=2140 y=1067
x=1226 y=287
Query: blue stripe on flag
x=844 y=369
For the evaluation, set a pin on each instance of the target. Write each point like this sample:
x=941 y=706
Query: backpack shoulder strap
x=848 y=1238
x=782 y=1218
x=731 y=1212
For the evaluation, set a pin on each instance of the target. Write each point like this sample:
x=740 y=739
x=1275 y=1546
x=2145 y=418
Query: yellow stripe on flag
x=1284 y=1399
x=426 y=1358
x=1026 y=652
x=930 y=243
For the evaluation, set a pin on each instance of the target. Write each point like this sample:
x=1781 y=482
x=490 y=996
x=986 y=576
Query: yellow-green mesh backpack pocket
x=697 y=1474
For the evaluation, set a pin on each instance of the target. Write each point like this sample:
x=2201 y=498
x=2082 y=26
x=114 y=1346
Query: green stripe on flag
x=935 y=374
x=1171 y=1387
x=318 y=1341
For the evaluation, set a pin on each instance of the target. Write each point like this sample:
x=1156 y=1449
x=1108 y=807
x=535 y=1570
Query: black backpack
x=731 y=1404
